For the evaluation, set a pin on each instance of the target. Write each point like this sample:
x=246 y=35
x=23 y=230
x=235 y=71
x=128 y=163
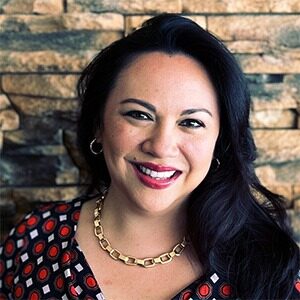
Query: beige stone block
x=44 y=61
x=280 y=30
x=200 y=20
x=252 y=47
x=75 y=7
x=91 y=21
x=280 y=63
x=134 y=22
x=241 y=6
x=18 y=7
x=289 y=172
x=42 y=106
x=131 y=6
x=50 y=7
x=105 y=38
x=225 y=6
x=296 y=194
x=277 y=146
x=279 y=96
x=273 y=119
x=125 y=6
x=278 y=174
x=287 y=6
x=160 y=6
x=60 y=86
x=9 y=120
x=284 y=190
x=285 y=99
x=30 y=23
x=4 y=102
x=266 y=174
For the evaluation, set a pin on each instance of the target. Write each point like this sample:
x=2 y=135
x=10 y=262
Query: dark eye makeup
x=192 y=123
x=143 y=116
x=138 y=115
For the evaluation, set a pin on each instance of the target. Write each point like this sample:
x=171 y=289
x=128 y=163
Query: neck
x=141 y=233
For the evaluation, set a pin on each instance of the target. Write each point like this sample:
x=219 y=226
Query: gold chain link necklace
x=131 y=260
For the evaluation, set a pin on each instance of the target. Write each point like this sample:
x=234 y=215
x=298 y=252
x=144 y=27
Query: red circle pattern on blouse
x=41 y=260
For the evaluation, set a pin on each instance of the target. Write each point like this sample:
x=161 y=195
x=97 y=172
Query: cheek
x=120 y=139
x=199 y=153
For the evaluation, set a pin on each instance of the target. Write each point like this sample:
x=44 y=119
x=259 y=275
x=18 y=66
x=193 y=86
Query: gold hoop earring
x=97 y=151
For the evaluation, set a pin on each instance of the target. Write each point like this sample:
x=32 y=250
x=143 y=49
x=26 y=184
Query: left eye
x=192 y=123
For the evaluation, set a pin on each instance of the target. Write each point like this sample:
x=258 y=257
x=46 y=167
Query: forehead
x=157 y=62
x=158 y=76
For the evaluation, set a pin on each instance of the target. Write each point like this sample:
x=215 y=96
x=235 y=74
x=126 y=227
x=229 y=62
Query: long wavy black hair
x=237 y=226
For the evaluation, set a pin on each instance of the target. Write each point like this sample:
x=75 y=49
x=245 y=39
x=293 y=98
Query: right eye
x=138 y=115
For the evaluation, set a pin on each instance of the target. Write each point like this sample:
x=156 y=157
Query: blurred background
x=44 y=45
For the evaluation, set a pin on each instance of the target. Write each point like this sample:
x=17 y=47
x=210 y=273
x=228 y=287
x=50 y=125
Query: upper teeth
x=155 y=174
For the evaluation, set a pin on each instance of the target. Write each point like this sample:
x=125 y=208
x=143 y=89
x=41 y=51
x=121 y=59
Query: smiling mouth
x=155 y=176
x=158 y=175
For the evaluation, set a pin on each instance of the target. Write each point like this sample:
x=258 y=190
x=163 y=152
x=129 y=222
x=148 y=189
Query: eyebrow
x=140 y=102
x=194 y=110
x=153 y=109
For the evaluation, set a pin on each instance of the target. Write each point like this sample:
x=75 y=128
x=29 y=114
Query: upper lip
x=155 y=167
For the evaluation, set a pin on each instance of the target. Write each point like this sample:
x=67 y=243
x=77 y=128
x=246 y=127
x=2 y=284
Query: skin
x=132 y=132
x=181 y=133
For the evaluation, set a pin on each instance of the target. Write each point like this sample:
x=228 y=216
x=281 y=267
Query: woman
x=179 y=212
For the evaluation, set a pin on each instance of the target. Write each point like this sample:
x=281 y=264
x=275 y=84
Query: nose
x=161 y=142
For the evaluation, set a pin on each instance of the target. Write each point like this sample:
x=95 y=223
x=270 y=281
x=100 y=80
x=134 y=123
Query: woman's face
x=160 y=127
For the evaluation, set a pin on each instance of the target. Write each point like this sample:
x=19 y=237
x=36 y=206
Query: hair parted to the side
x=233 y=233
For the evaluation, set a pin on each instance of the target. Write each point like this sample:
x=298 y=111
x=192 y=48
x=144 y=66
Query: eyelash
x=192 y=123
x=138 y=115
x=142 y=116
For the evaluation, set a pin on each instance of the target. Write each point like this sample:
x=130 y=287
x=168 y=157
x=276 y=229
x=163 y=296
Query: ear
x=98 y=135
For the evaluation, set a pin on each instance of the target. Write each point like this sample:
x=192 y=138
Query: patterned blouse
x=41 y=259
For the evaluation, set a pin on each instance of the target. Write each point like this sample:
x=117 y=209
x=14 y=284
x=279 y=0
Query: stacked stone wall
x=44 y=44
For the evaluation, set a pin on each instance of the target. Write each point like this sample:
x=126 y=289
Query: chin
x=158 y=204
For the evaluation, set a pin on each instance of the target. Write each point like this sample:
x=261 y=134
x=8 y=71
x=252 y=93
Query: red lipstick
x=155 y=167
x=142 y=171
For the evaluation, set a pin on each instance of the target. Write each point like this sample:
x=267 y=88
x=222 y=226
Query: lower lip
x=153 y=183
